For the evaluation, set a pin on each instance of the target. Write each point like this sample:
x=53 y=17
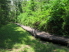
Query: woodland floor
x=46 y=36
x=15 y=39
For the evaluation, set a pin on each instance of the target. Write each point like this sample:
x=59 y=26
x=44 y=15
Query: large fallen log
x=45 y=35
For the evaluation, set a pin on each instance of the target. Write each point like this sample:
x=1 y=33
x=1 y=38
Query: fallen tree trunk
x=45 y=36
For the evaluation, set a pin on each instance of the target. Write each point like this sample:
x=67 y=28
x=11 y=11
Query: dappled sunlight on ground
x=15 y=39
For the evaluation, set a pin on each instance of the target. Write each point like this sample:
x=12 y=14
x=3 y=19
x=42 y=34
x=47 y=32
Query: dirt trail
x=45 y=35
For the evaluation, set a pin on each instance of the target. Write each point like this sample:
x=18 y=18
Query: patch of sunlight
x=19 y=40
x=18 y=29
x=23 y=48
x=28 y=48
x=32 y=38
x=16 y=46
x=7 y=42
x=60 y=50
x=2 y=50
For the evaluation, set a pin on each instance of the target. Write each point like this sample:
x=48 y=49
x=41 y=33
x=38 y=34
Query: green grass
x=14 y=39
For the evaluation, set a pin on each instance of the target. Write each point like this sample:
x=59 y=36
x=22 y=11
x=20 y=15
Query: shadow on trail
x=12 y=34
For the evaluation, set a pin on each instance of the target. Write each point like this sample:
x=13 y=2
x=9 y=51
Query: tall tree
x=3 y=11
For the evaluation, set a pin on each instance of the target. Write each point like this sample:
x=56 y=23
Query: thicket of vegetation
x=9 y=10
x=3 y=12
x=48 y=15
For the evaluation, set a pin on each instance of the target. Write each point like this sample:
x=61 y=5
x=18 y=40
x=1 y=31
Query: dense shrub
x=3 y=12
x=51 y=16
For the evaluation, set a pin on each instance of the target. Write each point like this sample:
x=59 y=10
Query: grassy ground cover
x=14 y=39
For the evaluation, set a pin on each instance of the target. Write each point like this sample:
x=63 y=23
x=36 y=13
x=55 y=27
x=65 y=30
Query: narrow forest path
x=45 y=36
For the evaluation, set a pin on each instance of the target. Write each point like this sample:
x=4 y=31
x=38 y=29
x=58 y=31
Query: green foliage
x=15 y=39
x=3 y=12
x=55 y=22
x=48 y=15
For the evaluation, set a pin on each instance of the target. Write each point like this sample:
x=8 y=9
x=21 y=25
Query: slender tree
x=3 y=11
